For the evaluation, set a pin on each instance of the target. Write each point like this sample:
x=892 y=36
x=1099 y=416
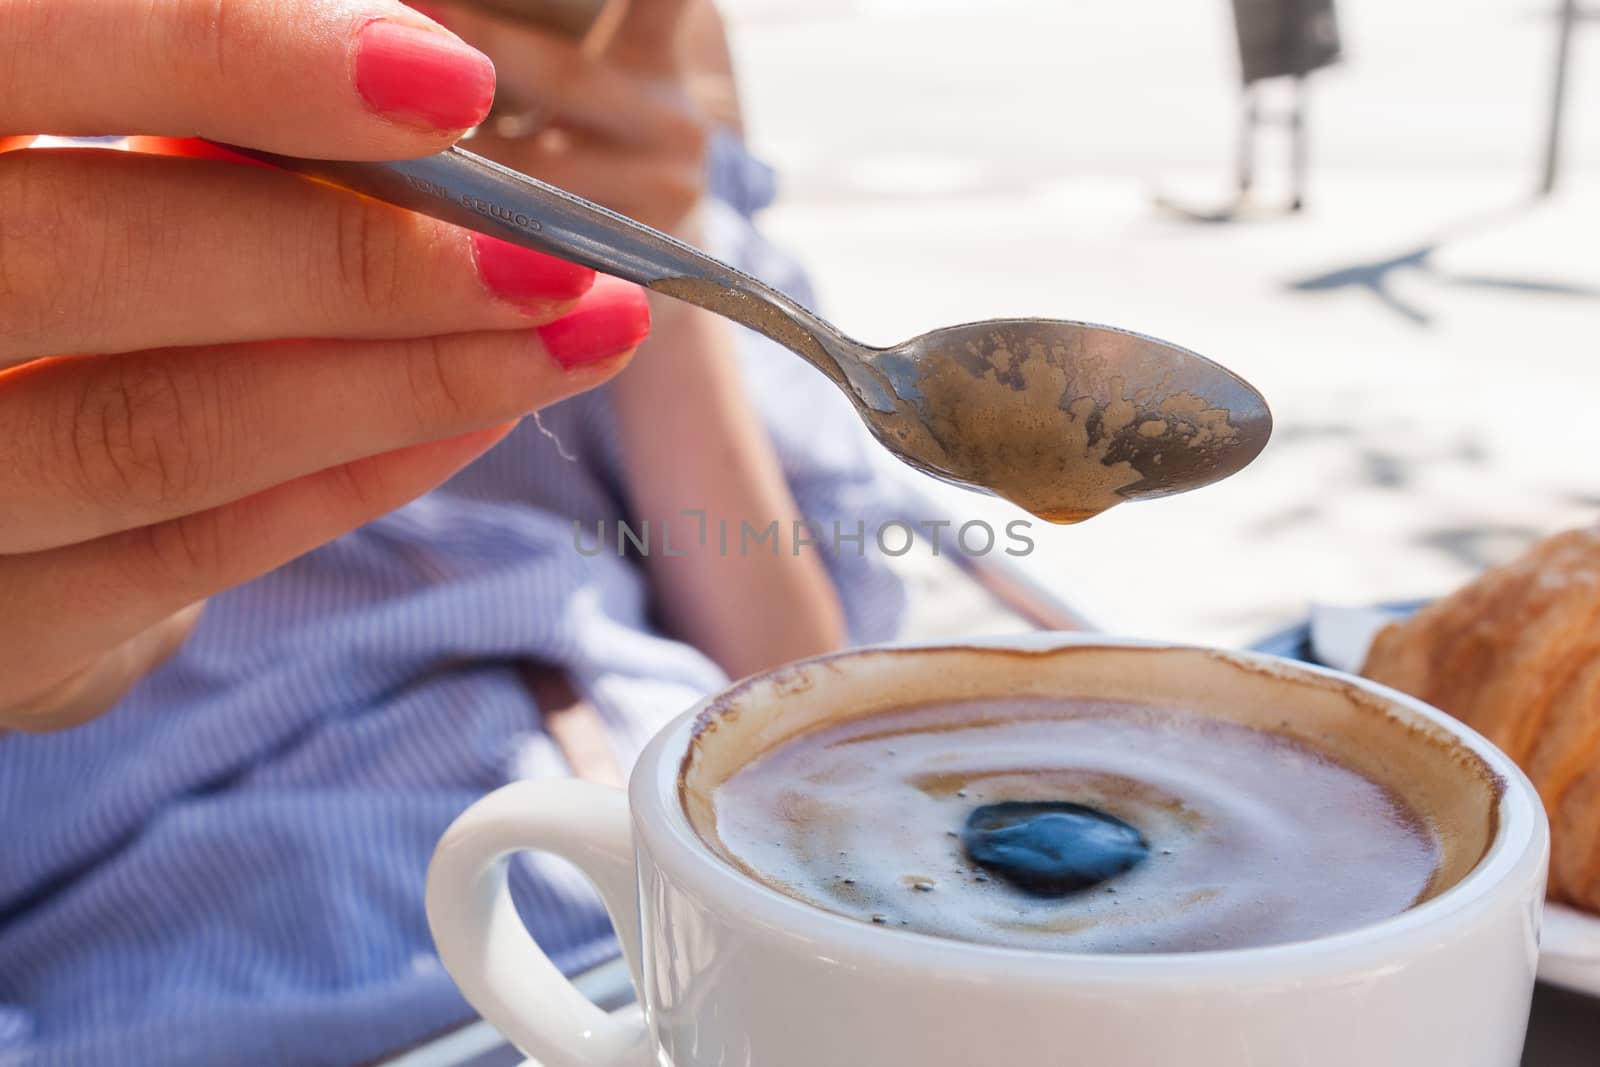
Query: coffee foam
x=1450 y=795
x=1253 y=838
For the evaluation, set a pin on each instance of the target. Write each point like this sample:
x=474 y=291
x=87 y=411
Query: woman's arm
x=692 y=441
x=628 y=127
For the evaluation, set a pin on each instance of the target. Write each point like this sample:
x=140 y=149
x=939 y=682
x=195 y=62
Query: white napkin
x=1341 y=636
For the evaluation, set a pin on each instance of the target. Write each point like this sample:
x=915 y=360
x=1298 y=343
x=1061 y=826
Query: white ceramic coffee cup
x=731 y=972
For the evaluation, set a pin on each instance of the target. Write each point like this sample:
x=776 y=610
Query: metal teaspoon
x=1064 y=419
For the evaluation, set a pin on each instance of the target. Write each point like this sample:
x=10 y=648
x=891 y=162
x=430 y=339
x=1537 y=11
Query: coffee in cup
x=1064 y=823
x=1120 y=749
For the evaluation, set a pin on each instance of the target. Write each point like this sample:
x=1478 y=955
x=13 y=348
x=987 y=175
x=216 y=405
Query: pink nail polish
x=520 y=275
x=612 y=317
x=422 y=77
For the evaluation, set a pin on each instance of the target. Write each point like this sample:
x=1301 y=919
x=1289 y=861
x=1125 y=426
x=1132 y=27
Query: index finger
x=345 y=79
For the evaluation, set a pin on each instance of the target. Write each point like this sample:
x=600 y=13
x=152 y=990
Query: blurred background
x=1427 y=329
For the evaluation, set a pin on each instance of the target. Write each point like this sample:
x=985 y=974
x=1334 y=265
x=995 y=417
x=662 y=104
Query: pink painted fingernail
x=422 y=77
x=520 y=275
x=612 y=317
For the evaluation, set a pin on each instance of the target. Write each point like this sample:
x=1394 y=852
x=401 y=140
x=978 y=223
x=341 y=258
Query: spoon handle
x=467 y=190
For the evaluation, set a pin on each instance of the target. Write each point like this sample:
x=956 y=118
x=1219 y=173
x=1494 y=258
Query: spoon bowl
x=1064 y=419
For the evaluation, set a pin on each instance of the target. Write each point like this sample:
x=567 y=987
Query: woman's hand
x=167 y=430
x=611 y=120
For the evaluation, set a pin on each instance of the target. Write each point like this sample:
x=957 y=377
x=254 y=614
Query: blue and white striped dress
x=228 y=868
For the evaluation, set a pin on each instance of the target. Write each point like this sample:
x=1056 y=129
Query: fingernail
x=520 y=275
x=422 y=77
x=612 y=317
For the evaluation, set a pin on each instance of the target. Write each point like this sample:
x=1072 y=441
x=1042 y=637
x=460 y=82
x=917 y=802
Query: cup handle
x=491 y=955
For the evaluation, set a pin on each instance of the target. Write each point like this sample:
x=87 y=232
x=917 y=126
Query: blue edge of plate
x=1294 y=642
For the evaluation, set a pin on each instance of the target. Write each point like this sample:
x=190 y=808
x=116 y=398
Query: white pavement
x=948 y=161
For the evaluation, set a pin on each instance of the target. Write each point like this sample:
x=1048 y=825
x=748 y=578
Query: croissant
x=1516 y=656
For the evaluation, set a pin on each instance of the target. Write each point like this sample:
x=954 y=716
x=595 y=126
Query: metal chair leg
x=1250 y=119
x=1299 y=150
x=1558 y=97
